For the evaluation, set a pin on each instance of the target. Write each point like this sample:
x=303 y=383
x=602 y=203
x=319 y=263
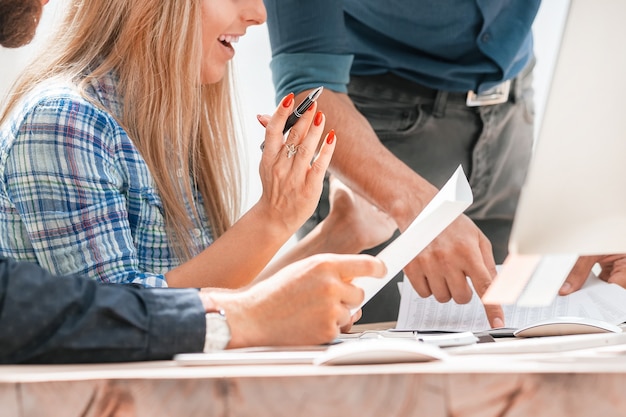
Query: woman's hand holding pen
x=291 y=173
x=292 y=179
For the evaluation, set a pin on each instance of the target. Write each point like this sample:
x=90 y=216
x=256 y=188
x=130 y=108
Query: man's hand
x=613 y=271
x=460 y=251
x=305 y=303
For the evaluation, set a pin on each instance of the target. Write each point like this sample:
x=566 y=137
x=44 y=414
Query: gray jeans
x=433 y=132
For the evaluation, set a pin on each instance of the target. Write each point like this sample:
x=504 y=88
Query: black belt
x=496 y=95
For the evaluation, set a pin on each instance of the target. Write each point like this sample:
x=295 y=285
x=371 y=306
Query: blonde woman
x=118 y=154
x=69 y=318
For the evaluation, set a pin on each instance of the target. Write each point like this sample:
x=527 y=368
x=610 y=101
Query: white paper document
x=597 y=300
x=443 y=209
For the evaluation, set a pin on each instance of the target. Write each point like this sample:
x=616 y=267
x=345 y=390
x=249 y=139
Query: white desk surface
x=464 y=386
x=494 y=385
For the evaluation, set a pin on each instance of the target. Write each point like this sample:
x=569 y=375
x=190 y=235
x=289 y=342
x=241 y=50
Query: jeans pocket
x=389 y=120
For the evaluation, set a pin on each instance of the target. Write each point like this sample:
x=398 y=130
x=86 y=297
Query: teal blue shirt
x=453 y=45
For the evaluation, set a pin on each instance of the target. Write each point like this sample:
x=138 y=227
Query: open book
x=597 y=299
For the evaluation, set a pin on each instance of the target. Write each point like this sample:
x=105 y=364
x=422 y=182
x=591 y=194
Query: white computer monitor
x=574 y=199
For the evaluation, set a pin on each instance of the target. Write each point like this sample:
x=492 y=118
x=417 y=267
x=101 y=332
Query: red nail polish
x=310 y=108
x=331 y=137
x=318 y=118
x=288 y=100
x=260 y=119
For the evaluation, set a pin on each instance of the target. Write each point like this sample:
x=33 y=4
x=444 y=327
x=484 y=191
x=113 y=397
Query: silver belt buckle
x=495 y=95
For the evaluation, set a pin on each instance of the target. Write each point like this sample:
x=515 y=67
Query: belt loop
x=518 y=83
x=439 y=107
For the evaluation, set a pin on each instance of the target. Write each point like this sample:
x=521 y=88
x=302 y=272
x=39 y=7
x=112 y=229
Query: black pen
x=299 y=111
x=302 y=107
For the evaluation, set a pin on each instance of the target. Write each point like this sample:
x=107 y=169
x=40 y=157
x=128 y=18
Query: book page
x=597 y=300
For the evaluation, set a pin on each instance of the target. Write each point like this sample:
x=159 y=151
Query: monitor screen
x=574 y=198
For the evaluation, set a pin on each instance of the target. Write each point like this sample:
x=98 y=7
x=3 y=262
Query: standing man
x=413 y=89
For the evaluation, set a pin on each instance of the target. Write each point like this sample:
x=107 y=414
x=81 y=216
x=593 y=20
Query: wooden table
x=465 y=386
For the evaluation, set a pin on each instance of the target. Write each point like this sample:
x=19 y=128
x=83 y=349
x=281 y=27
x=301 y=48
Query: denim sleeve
x=309 y=45
x=46 y=319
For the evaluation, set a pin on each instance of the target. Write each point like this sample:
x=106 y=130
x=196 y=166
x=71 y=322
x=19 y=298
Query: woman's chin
x=212 y=77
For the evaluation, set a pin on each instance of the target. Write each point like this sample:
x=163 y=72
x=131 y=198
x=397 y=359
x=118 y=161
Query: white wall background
x=255 y=92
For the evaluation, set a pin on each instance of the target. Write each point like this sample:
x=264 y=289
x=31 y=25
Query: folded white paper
x=443 y=209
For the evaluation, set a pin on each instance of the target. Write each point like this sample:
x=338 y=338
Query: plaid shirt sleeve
x=66 y=176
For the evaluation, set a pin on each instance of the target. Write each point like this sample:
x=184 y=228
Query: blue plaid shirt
x=75 y=194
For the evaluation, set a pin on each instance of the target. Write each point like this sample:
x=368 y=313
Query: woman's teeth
x=228 y=39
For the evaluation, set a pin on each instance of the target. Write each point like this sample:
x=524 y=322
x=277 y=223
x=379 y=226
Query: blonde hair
x=155 y=47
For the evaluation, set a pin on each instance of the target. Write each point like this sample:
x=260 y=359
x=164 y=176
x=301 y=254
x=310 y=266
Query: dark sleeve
x=49 y=319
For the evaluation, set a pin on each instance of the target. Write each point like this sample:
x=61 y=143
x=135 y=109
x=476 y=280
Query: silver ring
x=291 y=149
